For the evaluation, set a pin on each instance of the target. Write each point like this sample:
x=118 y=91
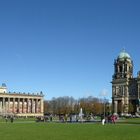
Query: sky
x=66 y=47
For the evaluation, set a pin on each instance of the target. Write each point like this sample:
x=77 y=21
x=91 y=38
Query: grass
x=67 y=131
x=130 y=121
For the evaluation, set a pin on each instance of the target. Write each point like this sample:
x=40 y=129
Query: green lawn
x=130 y=121
x=63 y=131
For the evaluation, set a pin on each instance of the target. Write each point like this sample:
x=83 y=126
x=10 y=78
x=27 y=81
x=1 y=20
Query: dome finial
x=123 y=55
x=123 y=50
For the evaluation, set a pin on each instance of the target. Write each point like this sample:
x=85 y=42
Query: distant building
x=20 y=104
x=125 y=88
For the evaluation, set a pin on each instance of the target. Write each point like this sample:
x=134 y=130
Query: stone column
x=36 y=106
x=122 y=106
x=127 y=67
x=0 y=106
x=32 y=105
x=13 y=105
x=127 y=91
x=3 y=105
x=23 y=110
x=8 y=104
x=28 y=105
x=18 y=106
x=42 y=105
x=115 y=107
x=126 y=105
x=118 y=68
x=123 y=68
x=126 y=101
x=123 y=90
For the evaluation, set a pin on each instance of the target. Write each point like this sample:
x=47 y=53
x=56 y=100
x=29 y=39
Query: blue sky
x=66 y=47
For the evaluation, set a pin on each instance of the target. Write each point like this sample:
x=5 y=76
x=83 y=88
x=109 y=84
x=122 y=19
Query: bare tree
x=68 y=105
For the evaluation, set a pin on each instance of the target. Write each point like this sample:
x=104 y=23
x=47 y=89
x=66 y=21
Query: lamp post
x=104 y=93
x=104 y=107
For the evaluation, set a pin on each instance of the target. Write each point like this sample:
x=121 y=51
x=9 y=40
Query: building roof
x=123 y=55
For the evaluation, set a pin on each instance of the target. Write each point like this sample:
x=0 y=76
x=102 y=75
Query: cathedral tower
x=123 y=72
x=123 y=66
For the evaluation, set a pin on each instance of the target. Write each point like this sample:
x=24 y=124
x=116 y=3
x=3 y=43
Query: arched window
x=120 y=68
x=125 y=67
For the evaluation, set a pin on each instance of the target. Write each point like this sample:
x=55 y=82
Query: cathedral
x=125 y=87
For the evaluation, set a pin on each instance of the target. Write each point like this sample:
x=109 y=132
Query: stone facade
x=125 y=88
x=20 y=104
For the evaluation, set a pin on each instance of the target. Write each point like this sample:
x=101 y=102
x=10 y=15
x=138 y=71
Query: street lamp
x=104 y=93
x=104 y=107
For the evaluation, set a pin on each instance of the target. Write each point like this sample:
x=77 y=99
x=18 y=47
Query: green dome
x=124 y=55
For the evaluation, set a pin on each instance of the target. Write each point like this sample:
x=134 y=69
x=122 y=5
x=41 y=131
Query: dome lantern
x=123 y=55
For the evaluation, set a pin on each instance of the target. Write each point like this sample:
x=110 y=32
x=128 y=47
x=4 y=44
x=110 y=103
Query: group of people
x=75 y=118
x=11 y=118
x=109 y=119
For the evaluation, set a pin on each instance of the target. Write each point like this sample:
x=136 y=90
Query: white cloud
x=104 y=93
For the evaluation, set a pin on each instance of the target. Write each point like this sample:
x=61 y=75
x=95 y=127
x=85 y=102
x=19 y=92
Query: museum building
x=20 y=104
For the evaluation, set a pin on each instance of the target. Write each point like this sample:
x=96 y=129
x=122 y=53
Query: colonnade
x=21 y=105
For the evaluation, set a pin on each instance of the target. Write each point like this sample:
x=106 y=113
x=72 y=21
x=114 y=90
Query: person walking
x=12 y=119
x=103 y=121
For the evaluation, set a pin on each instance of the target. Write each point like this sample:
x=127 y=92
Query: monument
x=81 y=115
